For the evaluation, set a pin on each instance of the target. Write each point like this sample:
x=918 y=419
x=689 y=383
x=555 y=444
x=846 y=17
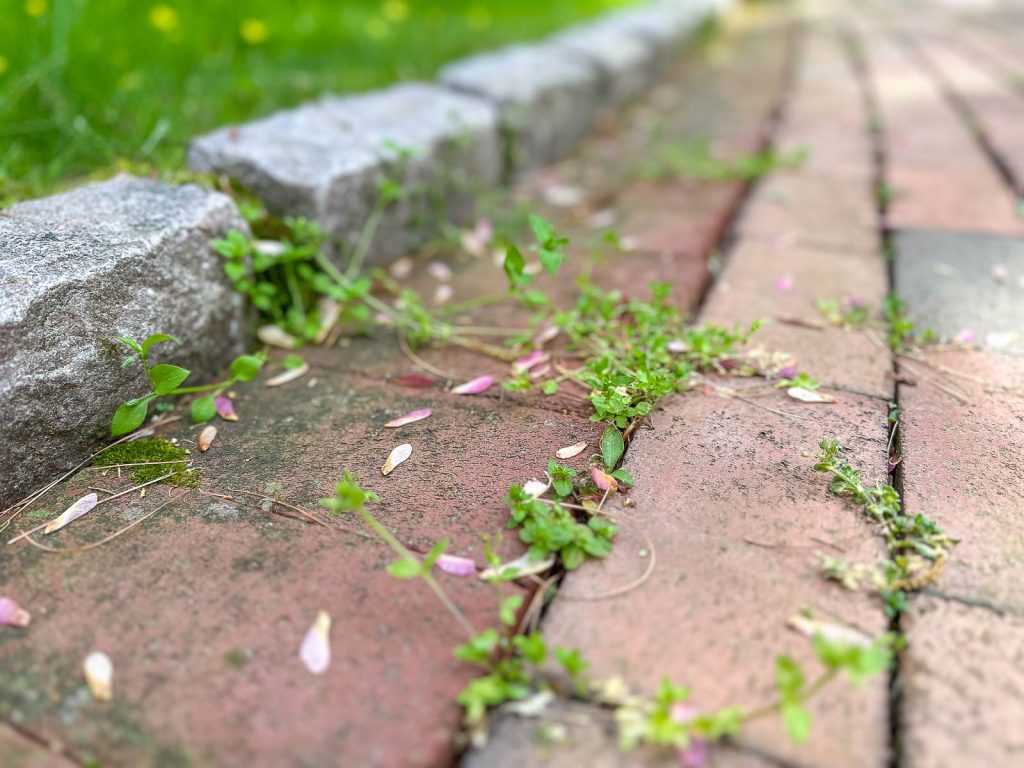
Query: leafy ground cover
x=89 y=87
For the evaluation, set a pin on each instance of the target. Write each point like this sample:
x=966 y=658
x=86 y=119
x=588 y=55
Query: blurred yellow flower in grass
x=254 y=31
x=163 y=17
x=395 y=11
x=377 y=28
x=36 y=8
x=3 y=63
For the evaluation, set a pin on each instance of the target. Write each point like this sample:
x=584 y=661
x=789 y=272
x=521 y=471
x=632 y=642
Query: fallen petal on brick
x=412 y=416
x=72 y=513
x=521 y=566
x=288 y=376
x=398 y=455
x=809 y=395
x=275 y=337
x=12 y=614
x=474 y=387
x=225 y=408
x=784 y=284
x=836 y=633
x=456 y=566
x=571 y=450
x=535 y=488
x=315 y=651
x=525 y=363
x=99 y=675
x=602 y=479
x=206 y=438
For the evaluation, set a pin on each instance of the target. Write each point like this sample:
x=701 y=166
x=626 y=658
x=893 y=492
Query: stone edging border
x=128 y=257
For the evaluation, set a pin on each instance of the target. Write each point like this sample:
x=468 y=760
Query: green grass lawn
x=89 y=86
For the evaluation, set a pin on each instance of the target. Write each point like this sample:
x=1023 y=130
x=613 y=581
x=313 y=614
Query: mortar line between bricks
x=970 y=602
x=728 y=238
x=962 y=108
x=853 y=46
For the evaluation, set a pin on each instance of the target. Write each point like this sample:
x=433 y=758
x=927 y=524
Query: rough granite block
x=628 y=62
x=548 y=97
x=324 y=160
x=121 y=257
x=664 y=24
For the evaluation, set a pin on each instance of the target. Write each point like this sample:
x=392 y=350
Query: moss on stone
x=151 y=451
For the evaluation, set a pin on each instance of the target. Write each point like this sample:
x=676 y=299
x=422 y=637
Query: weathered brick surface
x=121 y=257
x=995 y=106
x=748 y=290
x=209 y=577
x=962 y=461
x=937 y=173
x=963 y=686
x=736 y=516
x=16 y=751
x=324 y=160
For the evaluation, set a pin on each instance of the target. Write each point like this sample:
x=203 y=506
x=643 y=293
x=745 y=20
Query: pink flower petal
x=415 y=381
x=456 y=566
x=545 y=334
x=315 y=651
x=440 y=271
x=786 y=371
x=474 y=387
x=409 y=418
x=675 y=347
x=72 y=513
x=784 y=284
x=527 y=362
x=698 y=751
x=225 y=408
x=966 y=336
x=12 y=614
x=602 y=479
x=857 y=302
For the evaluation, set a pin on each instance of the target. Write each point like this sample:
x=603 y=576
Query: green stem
x=402 y=551
x=366 y=238
x=815 y=688
x=204 y=387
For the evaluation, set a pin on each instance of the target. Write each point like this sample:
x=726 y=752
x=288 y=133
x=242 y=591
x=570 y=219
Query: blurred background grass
x=88 y=87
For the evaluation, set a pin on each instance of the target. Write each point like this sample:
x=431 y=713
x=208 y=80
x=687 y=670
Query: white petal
x=315 y=651
x=398 y=455
x=99 y=674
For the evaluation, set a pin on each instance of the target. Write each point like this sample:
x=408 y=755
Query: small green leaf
x=289 y=362
x=789 y=677
x=245 y=367
x=551 y=260
x=436 y=552
x=514 y=266
x=623 y=477
x=157 y=338
x=542 y=229
x=129 y=416
x=549 y=387
x=797 y=721
x=166 y=378
x=509 y=607
x=203 y=409
x=406 y=568
x=611 y=446
x=132 y=343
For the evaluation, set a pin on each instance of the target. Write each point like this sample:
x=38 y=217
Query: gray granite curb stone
x=121 y=257
x=324 y=160
x=548 y=97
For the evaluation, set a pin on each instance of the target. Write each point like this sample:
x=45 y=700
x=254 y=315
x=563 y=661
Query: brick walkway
x=925 y=103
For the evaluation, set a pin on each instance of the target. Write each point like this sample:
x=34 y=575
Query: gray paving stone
x=548 y=97
x=122 y=257
x=666 y=24
x=954 y=282
x=627 y=61
x=571 y=734
x=324 y=160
